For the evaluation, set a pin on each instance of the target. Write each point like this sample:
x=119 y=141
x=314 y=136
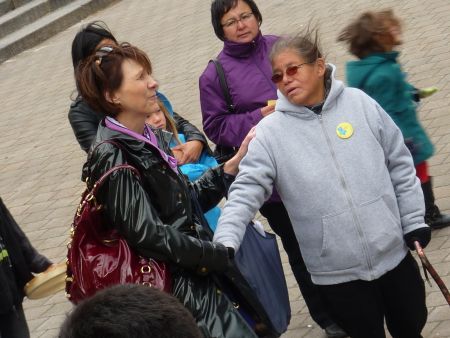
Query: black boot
x=433 y=217
x=334 y=331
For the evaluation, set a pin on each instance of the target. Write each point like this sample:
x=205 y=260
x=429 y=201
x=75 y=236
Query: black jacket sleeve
x=131 y=209
x=84 y=121
x=190 y=131
x=34 y=260
x=211 y=187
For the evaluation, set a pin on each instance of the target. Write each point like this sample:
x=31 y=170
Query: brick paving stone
x=41 y=161
x=428 y=330
x=439 y=314
x=52 y=322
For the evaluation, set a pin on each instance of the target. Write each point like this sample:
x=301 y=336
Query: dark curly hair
x=361 y=34
x=130 y=311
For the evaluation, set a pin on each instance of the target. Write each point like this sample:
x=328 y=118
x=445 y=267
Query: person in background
x=84 y=120
x=317 y=149
x=130 y=311
x=372 y=38
x=246 y=66
x=165 y=130
x=18 y=261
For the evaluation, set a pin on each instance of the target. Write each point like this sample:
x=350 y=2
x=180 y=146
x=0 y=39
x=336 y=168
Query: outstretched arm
x=253 y=185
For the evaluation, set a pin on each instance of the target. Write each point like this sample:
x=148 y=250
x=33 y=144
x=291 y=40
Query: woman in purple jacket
x=247 y=71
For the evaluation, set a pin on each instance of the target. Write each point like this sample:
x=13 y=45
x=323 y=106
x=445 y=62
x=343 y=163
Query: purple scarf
x=148 y=138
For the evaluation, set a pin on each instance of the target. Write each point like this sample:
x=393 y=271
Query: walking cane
x=426 y=265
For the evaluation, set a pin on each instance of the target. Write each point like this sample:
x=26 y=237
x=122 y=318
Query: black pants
x=280 y=223
x=398 y=296
x=13 y=324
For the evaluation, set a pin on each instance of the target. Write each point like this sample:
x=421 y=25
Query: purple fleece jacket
x=247 y=71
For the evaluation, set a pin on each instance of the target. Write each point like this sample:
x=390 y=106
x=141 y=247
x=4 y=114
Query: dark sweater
x=19 y=261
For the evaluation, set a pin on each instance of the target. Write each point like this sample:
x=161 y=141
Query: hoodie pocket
x=340 y=244
x=381 y=227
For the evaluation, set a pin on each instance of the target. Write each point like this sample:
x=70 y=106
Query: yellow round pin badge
x=344 y=130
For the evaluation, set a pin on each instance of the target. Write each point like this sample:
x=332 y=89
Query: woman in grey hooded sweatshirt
x=348 y=182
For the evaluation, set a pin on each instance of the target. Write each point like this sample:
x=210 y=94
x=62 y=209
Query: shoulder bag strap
x=223 y=85
x=103 y=178
x=111 y=141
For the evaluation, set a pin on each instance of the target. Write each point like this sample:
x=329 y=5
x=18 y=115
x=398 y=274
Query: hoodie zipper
x=347 y=194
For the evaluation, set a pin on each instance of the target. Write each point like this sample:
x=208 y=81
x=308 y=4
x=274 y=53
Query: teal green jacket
x=381 y=77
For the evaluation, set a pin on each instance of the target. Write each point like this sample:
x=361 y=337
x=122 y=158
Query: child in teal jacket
x=372 y=38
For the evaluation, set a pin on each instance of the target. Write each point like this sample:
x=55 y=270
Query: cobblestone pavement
x=41 y=161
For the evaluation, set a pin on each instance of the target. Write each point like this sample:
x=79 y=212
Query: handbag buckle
x=91 y=197
x=147 y=284
x=146 y=269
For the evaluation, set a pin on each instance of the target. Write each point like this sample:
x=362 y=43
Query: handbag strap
x=110 y=141
x=103 y=178
x=224 y=153
x=224 y=85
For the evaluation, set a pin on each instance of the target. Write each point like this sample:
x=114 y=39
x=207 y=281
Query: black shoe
x=433 y=216
x=334 y=331
x=438 y=221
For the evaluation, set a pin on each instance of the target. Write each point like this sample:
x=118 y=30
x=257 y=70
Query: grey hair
x=306 y=44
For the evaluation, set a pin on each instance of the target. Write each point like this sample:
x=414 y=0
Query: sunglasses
x=291 y=70
x=102 y=52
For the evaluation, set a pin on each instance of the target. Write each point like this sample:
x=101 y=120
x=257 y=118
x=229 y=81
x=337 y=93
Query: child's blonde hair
x=170 y=122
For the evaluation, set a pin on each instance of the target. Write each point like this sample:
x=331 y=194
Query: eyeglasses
x=291 y=70
x=244 y=17
x=102 y=52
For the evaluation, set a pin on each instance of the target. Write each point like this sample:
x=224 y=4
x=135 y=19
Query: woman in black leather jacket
x=160 y=214
x=85 y=120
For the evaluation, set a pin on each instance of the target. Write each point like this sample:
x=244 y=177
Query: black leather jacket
x=155 y=214
x=84 y=121
x=159 y=215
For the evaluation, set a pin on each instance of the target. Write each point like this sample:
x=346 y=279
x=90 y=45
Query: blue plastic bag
x=258 y=260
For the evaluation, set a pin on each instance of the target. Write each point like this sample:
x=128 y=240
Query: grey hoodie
x=350 y=200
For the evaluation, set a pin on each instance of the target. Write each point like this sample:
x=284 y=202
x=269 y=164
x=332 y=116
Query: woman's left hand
x=231 y=167
x=188 y=152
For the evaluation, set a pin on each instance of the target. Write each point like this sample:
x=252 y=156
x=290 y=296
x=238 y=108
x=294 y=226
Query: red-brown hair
x=101 y=73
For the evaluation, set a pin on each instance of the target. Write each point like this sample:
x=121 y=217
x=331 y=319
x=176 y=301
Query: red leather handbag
x=99 y=256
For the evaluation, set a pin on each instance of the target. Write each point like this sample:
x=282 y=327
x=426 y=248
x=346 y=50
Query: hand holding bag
x=98 y=256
